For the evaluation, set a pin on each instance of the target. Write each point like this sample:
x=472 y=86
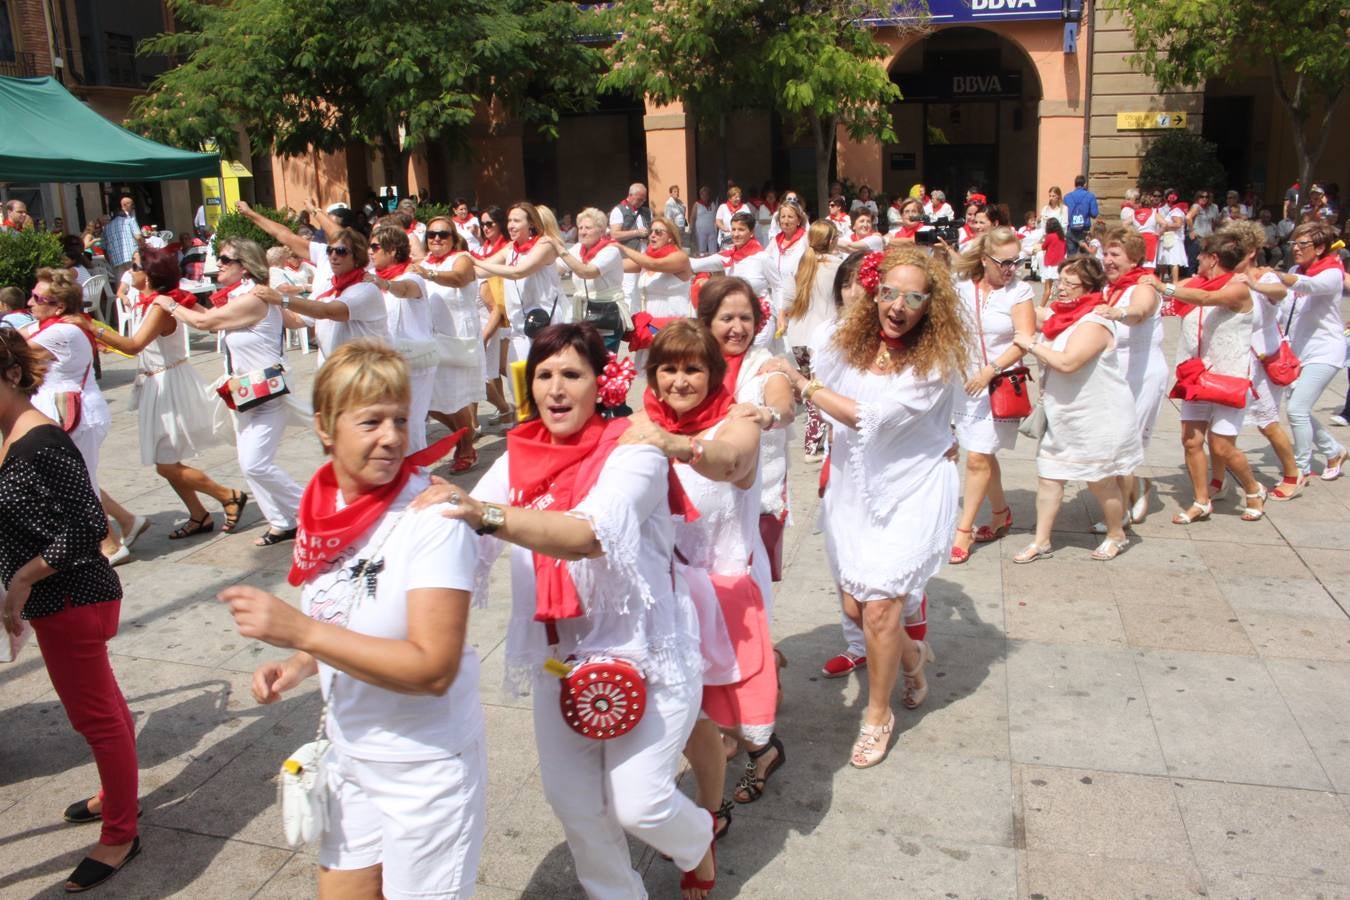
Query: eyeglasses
x=888 y=293
x=439 y=235
x=339 y=251
x=226 y=260
x=1065 y=284
x=1302 y=245
x=1002 y=263
x=375 y=245
x=43 y=298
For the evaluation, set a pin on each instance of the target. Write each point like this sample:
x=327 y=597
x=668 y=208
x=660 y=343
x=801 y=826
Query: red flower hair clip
x=869 y=273
x=615 y=380
x=765 y=313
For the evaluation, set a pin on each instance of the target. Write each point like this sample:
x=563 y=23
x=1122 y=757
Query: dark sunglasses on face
x=439 y=235
x=339 y=251
x=1002 y=263
x=226 y=260
x=488 y=223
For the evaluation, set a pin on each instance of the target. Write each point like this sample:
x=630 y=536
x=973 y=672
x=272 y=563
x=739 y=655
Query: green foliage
x=1185 y=161
x=22 y=253
x=428 y=211
x=302 y=74
x=235 y=225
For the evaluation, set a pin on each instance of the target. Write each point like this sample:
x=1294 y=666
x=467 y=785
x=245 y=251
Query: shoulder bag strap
x=979 y=323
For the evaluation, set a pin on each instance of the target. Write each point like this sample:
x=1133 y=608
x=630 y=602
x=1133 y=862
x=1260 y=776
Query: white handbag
x=458 y=352
x=303 y=789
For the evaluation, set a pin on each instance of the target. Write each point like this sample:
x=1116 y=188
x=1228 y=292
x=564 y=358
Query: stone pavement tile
x=966 y=712
x=297 y=878
x=525 y=849
x=39 y=723
x=1150 y=585
x=1332 y=570
x=1299 y=637
x=1081 y=707
x=1249 y=886
x=512 y=755
x=1239 y=829
x=1083 y=813
x=25 y=679
x=1316 y=533
x=1052 y=613
x=1318 y=695
x=1226 y=527
x=1168 y=626
x=1054 y=875
x=967 y=605
x=1205 y=707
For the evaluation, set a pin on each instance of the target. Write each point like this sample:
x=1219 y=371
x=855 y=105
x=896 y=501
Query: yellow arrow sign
x=1149 y=121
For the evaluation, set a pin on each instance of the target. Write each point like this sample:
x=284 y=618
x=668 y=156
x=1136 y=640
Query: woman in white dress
x=174 y=406
x=1217 y=328
x=1137 y=310
x=705 y=223
x=1172 y=242
x=812 y=307
x=593 y=275
x=663 y=282
x=886 y=377
x=587 y=512
x=1090 y=435
x=254 y=336
x=410 y=320
x=384 y=611
x=531 y=281
x=782 y=256
x=997 y=306
x=1137 y=214
x=727 y=211
x=447 y=270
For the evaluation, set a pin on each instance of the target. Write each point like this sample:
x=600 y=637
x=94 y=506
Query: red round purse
x=603 y=699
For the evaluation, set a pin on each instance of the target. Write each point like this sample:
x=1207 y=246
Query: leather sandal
x=752 y=784
x=464 y=462
x=1333 y=469
x=233 y=508
x=90 y=873
x=1254 y=513
x=204 y=525
x=1185 y=518
x=916 y=685
x=986 y=534
x=1109 y=549
x=689 y=881
x=271 y=537
x=872 y=743
x=1033 y=552
x=1288 y=489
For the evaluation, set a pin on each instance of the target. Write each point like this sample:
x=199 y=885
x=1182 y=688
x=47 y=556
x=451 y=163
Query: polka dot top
x=49 y=509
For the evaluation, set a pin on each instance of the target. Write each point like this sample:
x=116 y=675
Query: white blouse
x=608 y=285
x=993 y=317
x=1317 y=332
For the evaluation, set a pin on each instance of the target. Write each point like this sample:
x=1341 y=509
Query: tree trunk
x=394 y=163
x=723 y=166
x=823 y=133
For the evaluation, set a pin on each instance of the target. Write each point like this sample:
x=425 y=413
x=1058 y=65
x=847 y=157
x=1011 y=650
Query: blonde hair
x=1247 y=233
x=550 y=223
x=970 y=264
x=672 y=233
x=63 y=288
x=820 y=241
x=250 y=256
x=277 y=256
x=941 y=336
x=359 y=373
x=1127 y=239
x=594 y=216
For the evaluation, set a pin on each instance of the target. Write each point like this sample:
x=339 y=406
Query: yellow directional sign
x=1148 y=121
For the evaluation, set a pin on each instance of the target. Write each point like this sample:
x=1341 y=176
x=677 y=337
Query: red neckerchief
x=662 y=251
x=1066 y=312
x=325 y=531
x=735 y=255
x=436 y=259
x=58 y=320
x=389 y=273
x=891 y=343
x=293 y=263
x=182 y=297
x=485 y=251
x=1181 y=206
x=907 y=230
x=1199 y=283
x=1330 y=261
x=220 y=297
x=460 y=221
x=588 y=253
x=783 y=245
x=733 y=374
x=1124 y=283
x=772 y=207
x=522 y=249
x=412 y=229
x=897 y=202
x=708 y=413
x=1141 y=214
x=341 y=283
x=840 y=218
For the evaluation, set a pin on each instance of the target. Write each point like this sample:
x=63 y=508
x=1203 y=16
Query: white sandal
x=1332 y=472
x=872 y=743
x=1033 y=552
x=1185 y=518
x=1252 y=513
x=1109 y=549
x=1139 y=510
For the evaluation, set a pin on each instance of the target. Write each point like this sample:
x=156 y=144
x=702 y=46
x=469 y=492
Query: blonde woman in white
x=410 y=320
x=592 y=268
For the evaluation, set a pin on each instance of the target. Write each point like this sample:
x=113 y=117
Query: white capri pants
x=424 y=821
x=1224 y=420
x=258 y=433
x=601 y=789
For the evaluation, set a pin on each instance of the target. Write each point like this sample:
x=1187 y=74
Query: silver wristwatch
x=494 y=517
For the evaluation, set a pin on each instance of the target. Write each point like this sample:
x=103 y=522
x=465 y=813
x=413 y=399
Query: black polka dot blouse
x=49 y=509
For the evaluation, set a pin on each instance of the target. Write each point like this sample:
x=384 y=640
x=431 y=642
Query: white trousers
x=258 y=433
x=601 y=789
x=630 y=290
x=423 y=386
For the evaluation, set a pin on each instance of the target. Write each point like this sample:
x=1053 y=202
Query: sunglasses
x=914 y=300
x=339 y=251
x=439 y=235
x=1002 y=263
x=226 y=260
x=44 y=299
x=488 y=223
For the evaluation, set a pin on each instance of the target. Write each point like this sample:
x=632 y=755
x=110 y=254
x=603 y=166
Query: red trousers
x=74 y=645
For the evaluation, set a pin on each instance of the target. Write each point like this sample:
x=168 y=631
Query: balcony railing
x=23 y=65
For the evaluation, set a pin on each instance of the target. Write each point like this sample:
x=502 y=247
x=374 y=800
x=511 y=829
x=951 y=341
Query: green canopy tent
x=47 y=135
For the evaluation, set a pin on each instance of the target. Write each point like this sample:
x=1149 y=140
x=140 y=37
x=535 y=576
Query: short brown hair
x=717 y=289
x=1127 y=239
x=63 y=288
x=1088 y=270
x=684 y=340
x=16 y=352
x=354 y=239
x=359 y=373
x=1320 y=233
x=395 y=239
x=12 y=298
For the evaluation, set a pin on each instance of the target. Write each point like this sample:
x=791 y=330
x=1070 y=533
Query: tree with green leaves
x=301 y=75
x=816 y=62
x=1303 y=44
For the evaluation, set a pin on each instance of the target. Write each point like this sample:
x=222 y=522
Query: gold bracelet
x=809 y=391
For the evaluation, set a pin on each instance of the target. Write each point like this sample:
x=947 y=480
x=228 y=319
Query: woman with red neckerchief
x=530 y=280
x=1172 y=242
x=744 y=259
x=174 y=406
x=733 y=207
x=586 y=508
x=1137 y=214
x=384 y=611
x=1137 y=311
x=838 y=214
x=783 y=256
x=594 y=269
x=1216 y=327
x=492 y=313
x=465 y=224
x=886 y=376
x=448 y=271
x=663 y=282
x=410 y=320
x=908 y=223
x=1090 y=435
x=865 y=235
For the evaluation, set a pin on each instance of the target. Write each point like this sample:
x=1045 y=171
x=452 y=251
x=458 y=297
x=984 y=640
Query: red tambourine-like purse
x=602 y=698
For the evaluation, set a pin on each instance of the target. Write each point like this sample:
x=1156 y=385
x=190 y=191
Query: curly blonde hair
x=1249 y=234
x=970 y=264
x=938 y=342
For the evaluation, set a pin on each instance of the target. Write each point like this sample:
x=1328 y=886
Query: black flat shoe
x=80 y=814
x=90 y=873
x=275 y=537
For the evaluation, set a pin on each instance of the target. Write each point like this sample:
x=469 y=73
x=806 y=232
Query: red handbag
x=1283 y=366
x=1195 y=382
x=1009 y=393
x=601 y=698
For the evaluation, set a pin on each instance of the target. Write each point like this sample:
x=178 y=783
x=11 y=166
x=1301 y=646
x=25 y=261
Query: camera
x=946 y=228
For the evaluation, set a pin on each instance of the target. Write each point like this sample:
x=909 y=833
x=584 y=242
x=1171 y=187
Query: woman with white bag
x=384 y=610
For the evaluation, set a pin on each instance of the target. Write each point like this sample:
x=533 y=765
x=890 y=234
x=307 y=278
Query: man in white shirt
x=629 y=223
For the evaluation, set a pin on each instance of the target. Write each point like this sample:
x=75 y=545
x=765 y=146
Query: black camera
x=945 y=228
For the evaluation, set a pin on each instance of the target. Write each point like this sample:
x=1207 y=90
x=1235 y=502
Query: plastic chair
x=124 y=307
x=94 y=289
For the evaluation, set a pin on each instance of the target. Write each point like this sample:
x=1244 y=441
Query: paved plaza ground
x=1172 y=724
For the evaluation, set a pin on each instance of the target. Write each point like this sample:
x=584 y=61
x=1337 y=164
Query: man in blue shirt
x=1082 y=209
x=121 y=238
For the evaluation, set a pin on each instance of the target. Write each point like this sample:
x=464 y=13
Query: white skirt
x=976 y=428
x=177 y=415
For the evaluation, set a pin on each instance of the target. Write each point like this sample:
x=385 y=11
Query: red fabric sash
x=1065 y=313
x=412 y=229
x=1199 y=283
x=736 y=254
x=784 y=243
x=325 y=531
x=1330 y=261
x=662 y=251
x=389 y=273
x=181 y=296
x=708 y=413
x=220 y=297
x=1124 y=283
x=522 y=249
x=60 y=320
x=588 y=253
x=733 y=374
x=906 y=231
x=341 y=283
x=485 y=251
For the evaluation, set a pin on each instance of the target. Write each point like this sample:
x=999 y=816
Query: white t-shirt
x=994 y=317
x=1318 y=332
x=410 y=320
x=323 y=272
x=366 y=317
x=424 y=550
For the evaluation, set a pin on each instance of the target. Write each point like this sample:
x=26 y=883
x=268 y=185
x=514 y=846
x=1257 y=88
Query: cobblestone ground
x=1171 y=724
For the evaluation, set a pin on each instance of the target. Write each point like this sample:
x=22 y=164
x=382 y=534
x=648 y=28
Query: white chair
x=124 y=308
x=94 y=289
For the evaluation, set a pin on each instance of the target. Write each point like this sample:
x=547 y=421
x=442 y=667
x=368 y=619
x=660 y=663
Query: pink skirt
x=749 y=705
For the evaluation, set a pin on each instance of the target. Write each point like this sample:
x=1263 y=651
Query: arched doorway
x=969 y=118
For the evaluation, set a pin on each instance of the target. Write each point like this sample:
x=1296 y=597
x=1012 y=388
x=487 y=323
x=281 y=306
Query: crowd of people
x=644 y=544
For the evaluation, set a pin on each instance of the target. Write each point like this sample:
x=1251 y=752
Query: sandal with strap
x=1288 y=488
x=916 y=685
x=1254 y=513
x=233 y=508
x=986 y=534
x=960 y=555
x=1109 y=549
x=689 y=881
x=1333 y=469
x=1185 y=518
x=752 y=784
x=204 y=525
x=872 y=743
x=271 y=537
x=723 y=812
x=464 y=463
x=1033 y=552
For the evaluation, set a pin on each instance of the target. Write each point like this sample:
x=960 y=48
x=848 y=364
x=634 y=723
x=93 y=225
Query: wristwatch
x=1169 y=289
x=494 y=517
x=285 y=301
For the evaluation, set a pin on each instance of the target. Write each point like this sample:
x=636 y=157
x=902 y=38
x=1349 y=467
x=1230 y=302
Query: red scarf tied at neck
x=1199 y=283
x=588 y=253
x=1066 y=312
x=663 y=251
x=711 y=410
x=222 y=296
x=784 y=242
x=182 y=297
x=435 y=259
x=487 y=250
x=1330 y=261
x=1115 y=291
x=412 y=229
x=389 y=273
x=736 y=254
x=527 y=246
x=325 y=531
x=341 y=283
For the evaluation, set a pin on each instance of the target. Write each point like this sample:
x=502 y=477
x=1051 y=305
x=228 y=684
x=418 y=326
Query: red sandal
x=464 y=462
x=690 y=880
x=958 y=555
x=986 y=534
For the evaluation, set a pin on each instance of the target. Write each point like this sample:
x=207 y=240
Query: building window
x=8 y=50
x=121 y=59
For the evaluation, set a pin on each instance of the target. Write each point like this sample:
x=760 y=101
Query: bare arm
x=157 y=323
x=1143 y=304
x=585 y=270
x=240 y=312
x=540 y=255
x=402 y=288
x=676 y=263
x=732 y=456
x=460 y=274
x=278 y=232
x=556 y=534
x=335 y=310
x=1233 y=295
x=1087 y=342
